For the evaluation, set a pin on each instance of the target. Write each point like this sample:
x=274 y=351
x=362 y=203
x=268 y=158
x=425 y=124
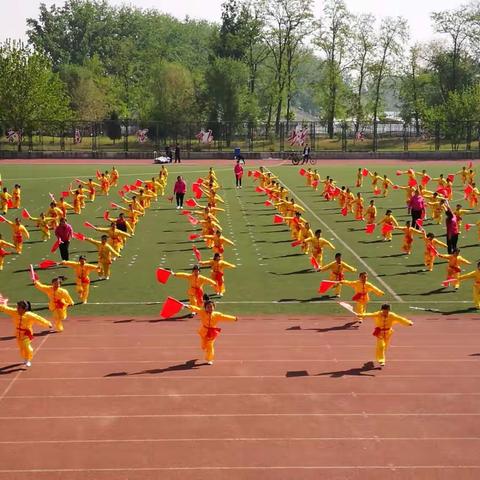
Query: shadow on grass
x=371 y=241
x=462 y=310
x=410 y=272
x=437 y=291
x=188 y=365
x=298 y=272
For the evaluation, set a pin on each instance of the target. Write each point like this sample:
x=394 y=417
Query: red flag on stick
x=185 y=212
x=425 y=180
x=78 y=236
x=121 y=193
x=47 y=264
x=302 y=172
x=138 y=183
x=163 y=275
x=377 y=191
x=256 y=174
x=105 y=215
x=2 y=218
x=88 y=225
x=200 y=181
x=451 y=177
x=193 y=236
x=395 y=187
x=399 y=172
x=260 y=190
x=25 y=213
x=268 y=203
x=447 y=282
x=170 y=307
x=98 y=174
x=412 y=182
x=468 y=226
x=192 y=220
x=191 y=202
x=277 y=219
x=197 y=254
x=420 y=222
x=249 y=173
x=296 y=243
x=33 y=275
x=326 y=285
x=114 y=205
x=314 y=263
x=55 y=246
x=65 y=194
x=365 y=172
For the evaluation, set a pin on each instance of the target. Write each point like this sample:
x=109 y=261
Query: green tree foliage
x=30 y=93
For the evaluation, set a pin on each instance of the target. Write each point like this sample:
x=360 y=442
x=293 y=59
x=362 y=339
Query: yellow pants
x=428 y=261
x=476 y=295
x=387 y=236
x=83 y=290
x=18 y=245
x=25 y=347
x=45 y=234
x=407 y=246
x=360 y=307
x=104 y=269
x=2 y=260
x=453 y=274
x=59 y=315
x=318 y=256
x=207 y=347
x=382 y=345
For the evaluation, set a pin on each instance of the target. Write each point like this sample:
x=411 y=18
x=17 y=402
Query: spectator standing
x=451 y=222
x=238 y=170
x=306 y=153
x=179 y=191
x=177 y=153
x=64 y=233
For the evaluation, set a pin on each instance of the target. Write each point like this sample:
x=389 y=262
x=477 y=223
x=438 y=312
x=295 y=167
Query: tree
x=113 y=128
x=30 y=93
x=390 y=43
x=333 y=38
x=288 y=22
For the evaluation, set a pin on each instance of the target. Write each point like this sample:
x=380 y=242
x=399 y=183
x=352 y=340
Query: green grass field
x=271 y=275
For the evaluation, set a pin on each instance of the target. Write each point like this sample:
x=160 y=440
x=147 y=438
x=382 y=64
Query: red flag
x=185 y=212
x=399 y=172
x=451 y=177
x=277 y=219
x=302 y=172
x=199 y=181
x=296 y=243
x=25 y=213
x=65 y=194
x=78 y=236
x=468 y=190
x=33 y=275
x=198 y=194
x=47 y=264
x=126 y=188
x=105 y=215
x=326 y=285
x=377 y=191
x=170 y=307
x=268 y=203
x=344 y=211
x=370 y=227
x=412 y=182
x=191 y=202
x=249 y=173
x=55 y=246
x=260 y=190
x=121 y=193
x=10 y=203
x=468 y=226
x=425 y=180
x=2 y=218
x=88 y=225
x=395 y=187
x=314 y=263
x=163 y=275
x=78 y=180
x=470 y=165
x=114 y=205
x=133 y=187
x=447 y=282
x=193 y=236
x=138 y=183
x=420 y=222
x=196 y=252
x=98 y=174
x=387 y=228
x=256 y=174
x=192 y=220
x=365 y=172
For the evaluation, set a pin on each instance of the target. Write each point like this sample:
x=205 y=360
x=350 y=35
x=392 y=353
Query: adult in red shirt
x=64 y=233
x=179 y=191
x=451 y=222
x=238 y=170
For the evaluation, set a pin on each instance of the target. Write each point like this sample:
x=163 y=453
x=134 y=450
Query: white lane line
x=379 y=279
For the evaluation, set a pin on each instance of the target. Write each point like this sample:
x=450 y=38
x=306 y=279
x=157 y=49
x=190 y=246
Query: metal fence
x=111 y=136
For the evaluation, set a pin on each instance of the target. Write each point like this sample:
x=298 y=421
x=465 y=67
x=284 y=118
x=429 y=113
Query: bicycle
x=298 y=159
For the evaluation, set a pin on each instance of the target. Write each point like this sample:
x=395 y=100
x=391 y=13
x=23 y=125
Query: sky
x=417 y=12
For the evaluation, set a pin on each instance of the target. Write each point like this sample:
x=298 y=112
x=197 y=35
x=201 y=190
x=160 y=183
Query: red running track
x=286 y=399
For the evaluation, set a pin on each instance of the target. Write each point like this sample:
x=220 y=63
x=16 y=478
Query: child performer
x=391 y=221
x=430 y=251
x=23 y=320
x=384 y=320
x=362 y=288
x=317 y=245
x=453 y=266
x=218 y=266
x=82 y=271
x=18 y=232
x=59 y=300
x=337 y=271
x=475 y=276
x=371 y=213
x=208 y=330
x=409 y=232
x=43 y=223
x=105 y=252
x=219 y=241
x=4 y=253
x=195 y=285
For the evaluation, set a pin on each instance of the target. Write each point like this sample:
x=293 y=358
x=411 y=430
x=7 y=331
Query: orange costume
x=408 y=238
x=430 y=251
x=388 y=220
x=18 y=232
x=59 y=301
x=337 y=273
x=453 y=267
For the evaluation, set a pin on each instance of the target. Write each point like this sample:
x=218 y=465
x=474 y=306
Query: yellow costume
x=317 y=244
x=59 y=301
x=82 y=274
x=430 y=251
x=5 y=197
x=24 y=329
x=116 y=237
x=218 y=267
x=208 y=330
x=408 y=238
x=475 y=276
x=453 y=267
x=3 y=253
x=361 y=296
x=384 y=331
x=337 y=273
x=105 y=252
x=371 y=214
x=195 y=286
x=18 y=233
x=219 y=242
x=388 y=220
x=16 y=197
